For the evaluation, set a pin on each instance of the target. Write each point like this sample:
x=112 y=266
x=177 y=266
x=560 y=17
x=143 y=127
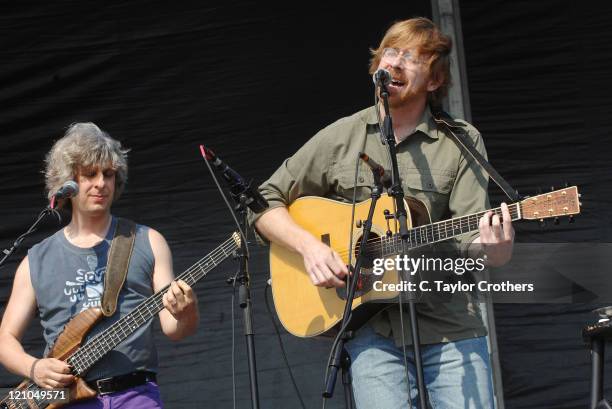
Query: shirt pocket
x=343 y=183
x=430 y=186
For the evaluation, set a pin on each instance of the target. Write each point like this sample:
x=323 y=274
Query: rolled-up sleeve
x=303 y=174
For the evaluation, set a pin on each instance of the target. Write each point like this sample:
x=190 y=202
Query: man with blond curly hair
x=64 y=275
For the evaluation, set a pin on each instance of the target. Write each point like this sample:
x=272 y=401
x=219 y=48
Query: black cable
x=282 y=347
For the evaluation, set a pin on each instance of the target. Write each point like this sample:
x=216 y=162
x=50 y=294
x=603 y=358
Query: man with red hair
x=433 y=169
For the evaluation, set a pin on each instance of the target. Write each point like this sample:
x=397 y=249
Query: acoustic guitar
x=69 y=345
x=306 y=310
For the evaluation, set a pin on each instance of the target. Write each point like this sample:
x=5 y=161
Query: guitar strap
x=456 y=131
x=118 y=262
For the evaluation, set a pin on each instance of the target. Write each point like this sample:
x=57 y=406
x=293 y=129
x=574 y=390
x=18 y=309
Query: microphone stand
x=243 y=278
x=244 y=196
x=46 y=211
x=344 y=335
x=397 y=192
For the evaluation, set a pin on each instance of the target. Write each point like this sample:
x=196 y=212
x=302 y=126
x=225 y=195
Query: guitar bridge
x=365 y=281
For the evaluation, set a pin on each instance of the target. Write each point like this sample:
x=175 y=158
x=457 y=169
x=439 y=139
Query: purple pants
x=141 y=397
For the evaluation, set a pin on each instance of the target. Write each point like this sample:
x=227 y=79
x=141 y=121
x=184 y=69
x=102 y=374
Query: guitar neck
x=444 y=230
x=86 y=356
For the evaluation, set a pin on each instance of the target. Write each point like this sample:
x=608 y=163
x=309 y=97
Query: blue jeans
x=457 y=374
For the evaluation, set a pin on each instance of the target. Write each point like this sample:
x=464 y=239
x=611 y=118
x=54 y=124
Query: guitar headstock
x=236 y=238
x=562 y=202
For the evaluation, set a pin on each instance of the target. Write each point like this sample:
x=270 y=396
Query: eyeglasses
x=406 y=56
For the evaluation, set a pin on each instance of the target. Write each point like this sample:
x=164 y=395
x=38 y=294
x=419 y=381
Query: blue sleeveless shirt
x=68 y=279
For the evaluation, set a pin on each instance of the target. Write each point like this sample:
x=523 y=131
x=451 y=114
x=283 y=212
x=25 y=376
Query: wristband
x=32 y=369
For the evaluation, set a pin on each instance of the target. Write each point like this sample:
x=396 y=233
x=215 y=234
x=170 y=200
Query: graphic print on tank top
x=88 y=285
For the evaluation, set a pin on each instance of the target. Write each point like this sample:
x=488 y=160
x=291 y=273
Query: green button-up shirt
x=432 y=169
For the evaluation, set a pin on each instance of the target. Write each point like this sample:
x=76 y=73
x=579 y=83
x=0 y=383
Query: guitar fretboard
x=86 y=356
x=439 y=231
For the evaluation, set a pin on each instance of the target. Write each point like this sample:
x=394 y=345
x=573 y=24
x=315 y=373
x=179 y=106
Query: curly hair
x=84 y=145
x=422 y=34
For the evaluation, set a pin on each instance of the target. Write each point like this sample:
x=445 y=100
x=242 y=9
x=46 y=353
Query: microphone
x=69 y=189
x=381 y=77
x=376 y=169
x=238 y=185
x=228 y=173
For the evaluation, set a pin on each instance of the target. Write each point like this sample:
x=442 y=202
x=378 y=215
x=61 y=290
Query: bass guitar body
x=67 y=343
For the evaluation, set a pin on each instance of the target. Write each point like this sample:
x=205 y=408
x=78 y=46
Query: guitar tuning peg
x=539 y=190
x=542 y=223
x=552 y=188
x=571 y=219
x=556 y=220
x=567 y=184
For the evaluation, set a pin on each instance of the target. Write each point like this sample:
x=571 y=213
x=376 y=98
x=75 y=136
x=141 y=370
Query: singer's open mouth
x=397 y=83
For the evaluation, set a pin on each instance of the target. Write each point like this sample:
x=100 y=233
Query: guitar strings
x=416 y=234
x=195 y=273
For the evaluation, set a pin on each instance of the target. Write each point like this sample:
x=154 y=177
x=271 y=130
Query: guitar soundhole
x=372 y=250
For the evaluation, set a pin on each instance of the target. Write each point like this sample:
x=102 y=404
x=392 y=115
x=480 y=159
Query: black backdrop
x=254 y=82
x=538 y=87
